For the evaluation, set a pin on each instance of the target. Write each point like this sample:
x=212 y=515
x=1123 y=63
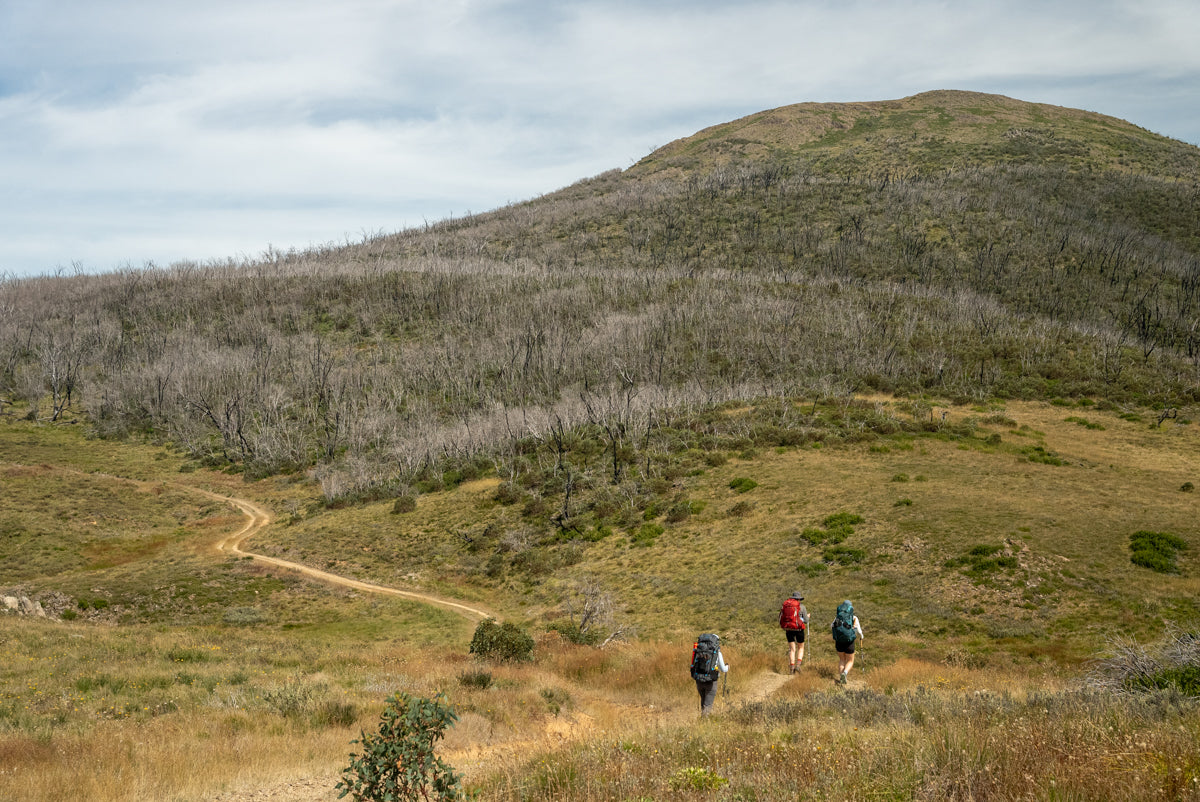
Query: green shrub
x=1040 y=454
x=508 y=493
x=580 y=637
x=646 y=534
x=1155 y=550
x=843 y=555
x=403 y=504
x=504 y=641
x=679 y=512
x=742 y=485
x=841 y=519
x=1187 y=487
x=398 y=763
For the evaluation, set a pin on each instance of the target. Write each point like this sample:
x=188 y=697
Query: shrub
x=481 y=680
x=841 y=519
x=398 y=763
x=508 y=493
x=646 y=534
x=504 y=641
x=1040 y=454
x=1187 y=487
x=1155 y=550
x=679 y=512
x=572 y=633
x=403 y=504
x=843 y=555
x=742 y=485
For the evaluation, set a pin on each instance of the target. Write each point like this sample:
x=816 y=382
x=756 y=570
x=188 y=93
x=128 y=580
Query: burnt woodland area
x=630 y=303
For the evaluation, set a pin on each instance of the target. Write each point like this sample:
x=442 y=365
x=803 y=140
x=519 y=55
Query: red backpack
x=789 y=616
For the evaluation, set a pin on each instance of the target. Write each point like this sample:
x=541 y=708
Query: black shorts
x=794 y=635
x=844 y=648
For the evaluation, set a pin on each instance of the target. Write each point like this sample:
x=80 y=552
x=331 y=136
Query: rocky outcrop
x=23 y=605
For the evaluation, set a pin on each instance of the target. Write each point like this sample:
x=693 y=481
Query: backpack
x=789 y=616
x=704 y=658
x=843 y=625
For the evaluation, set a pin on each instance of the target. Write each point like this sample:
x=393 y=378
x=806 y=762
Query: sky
x=149 y=132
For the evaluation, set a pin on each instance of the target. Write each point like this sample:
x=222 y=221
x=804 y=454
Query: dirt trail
x=257 y=519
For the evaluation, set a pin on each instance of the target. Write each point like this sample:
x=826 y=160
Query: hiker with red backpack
x=707 y=666
x=846 y=632
x=793 y=620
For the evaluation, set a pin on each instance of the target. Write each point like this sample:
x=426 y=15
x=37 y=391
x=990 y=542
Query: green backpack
x=843 y=625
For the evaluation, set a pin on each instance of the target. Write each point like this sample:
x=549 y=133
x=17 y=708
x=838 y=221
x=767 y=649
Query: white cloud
x=169 y=132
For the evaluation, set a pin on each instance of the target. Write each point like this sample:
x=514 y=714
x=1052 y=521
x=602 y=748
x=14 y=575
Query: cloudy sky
x=155 y=131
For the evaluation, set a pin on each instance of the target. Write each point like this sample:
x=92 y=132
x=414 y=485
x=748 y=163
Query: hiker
x=707 y=665
x=793 y=619
x=846 y=632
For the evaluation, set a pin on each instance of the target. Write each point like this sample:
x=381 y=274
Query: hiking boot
x=842 y=681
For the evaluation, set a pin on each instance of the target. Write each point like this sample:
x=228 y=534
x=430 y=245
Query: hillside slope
x=956 y=244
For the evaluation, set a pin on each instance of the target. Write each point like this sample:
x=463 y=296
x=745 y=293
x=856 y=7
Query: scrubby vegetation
x=962 y=244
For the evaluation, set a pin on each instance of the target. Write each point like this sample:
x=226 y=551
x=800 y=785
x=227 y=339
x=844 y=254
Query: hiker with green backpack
x=847 y=631
x=707 y=666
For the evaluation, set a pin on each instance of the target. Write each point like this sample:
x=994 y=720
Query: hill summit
x=937 y=130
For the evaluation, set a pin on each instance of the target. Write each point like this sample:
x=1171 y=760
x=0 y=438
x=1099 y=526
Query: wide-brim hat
x=797 y=596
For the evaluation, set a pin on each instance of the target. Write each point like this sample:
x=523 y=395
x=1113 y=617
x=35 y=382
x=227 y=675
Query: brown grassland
x=990 y=572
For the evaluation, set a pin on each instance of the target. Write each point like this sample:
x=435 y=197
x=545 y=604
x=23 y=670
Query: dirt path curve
x=257 y=519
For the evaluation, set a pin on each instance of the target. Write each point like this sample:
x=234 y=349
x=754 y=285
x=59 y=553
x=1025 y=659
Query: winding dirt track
x=257 y=519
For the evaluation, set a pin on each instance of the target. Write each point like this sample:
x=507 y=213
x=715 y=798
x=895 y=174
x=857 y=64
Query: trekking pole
x=725 y=684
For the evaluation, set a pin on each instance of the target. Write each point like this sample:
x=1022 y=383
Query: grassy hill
x=936 y=355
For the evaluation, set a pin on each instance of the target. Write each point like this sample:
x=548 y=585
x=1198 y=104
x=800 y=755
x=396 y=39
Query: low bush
x=742 y=485
x=504 y=641
x=1155 y=550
